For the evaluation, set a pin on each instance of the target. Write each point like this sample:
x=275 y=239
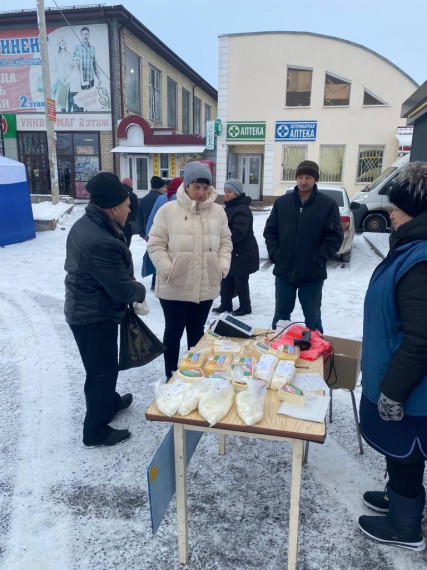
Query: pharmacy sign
x=242 y=131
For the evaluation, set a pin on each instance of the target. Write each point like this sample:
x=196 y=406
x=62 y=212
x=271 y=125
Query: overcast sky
x=392 y=28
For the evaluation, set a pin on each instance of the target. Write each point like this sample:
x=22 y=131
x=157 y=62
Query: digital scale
x=226 y=325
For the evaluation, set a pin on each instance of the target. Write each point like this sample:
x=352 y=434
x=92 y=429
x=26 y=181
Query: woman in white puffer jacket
x=190 y=246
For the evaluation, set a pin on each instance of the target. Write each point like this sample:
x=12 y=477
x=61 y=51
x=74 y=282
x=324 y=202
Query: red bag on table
x=319 y=345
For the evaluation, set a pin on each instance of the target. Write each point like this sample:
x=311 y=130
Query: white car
x=339 y=194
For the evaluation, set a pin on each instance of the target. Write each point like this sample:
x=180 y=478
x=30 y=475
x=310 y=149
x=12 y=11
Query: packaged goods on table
x=250 y=402
x=191 y=399
x=265 y=367
x=192 y=359
x=216 y=402
x=284 y=374
x=169 y=396
x=288 y=352
x=257 y=348
x=189 y=374
x=291 y=394
x=217 y=362
x=241 y=370
x=226 y=347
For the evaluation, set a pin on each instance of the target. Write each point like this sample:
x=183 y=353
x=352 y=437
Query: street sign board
x=210 y=135
x=243 y=131
x=295 y=131
x=51 y=109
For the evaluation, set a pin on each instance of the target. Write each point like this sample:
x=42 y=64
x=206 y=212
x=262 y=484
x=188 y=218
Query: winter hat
x=409 y=192
x=196 y=171
x=157 y=182
x=106 y=190
x=128 y=182
x=173 y=186
x=234 y=185
x=308 y=167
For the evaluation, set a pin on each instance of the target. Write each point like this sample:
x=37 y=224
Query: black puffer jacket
x=144 y=210
x=245 y=254
x=300 y=238
x=99 y=281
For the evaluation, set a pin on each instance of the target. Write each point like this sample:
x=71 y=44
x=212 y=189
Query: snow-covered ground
x=65 y=507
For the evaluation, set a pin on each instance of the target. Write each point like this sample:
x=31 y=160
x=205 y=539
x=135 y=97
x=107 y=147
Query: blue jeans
x=310 y=297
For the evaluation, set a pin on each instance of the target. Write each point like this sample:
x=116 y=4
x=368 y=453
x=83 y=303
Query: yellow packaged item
x=284 y=374
x=217 y=363
x=211 y=337
x=226 y=347
x=189 y=374
x=193 y=359
x=291 y=394
x=288 y=352
x=257 y=348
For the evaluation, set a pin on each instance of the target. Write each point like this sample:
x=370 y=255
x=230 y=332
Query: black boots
x=222 y=309
x=401 y=526
x=240 y=312
x=377 y=500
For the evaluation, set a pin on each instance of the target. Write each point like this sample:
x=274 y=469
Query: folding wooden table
x=273 y=426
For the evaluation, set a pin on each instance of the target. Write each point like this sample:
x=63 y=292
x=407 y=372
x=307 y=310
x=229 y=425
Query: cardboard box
x=343 y=371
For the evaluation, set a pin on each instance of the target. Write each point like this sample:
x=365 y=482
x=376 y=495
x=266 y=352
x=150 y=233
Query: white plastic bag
x=141 y=308
x=169 y=396
x=250 y=402
x=190 y=401
x=216 y=402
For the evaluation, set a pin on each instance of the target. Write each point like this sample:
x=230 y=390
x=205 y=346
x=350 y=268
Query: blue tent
x=16 y=215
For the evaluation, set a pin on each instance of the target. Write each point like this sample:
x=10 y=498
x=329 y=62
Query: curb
x=374 y=248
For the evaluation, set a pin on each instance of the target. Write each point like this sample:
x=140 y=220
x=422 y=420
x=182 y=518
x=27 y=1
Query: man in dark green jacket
x=98 y=286
x=302 y=232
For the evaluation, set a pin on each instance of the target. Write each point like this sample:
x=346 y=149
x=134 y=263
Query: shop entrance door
x=138 y=171
x=250 y=174
x=66 y=175
x=37 y=173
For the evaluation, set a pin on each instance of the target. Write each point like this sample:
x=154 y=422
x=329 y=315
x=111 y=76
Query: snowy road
x=65 y=507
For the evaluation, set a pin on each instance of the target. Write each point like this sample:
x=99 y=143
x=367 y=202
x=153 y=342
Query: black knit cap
x=106 y=190
x=409 y=192
x=308 y=167
x=157 y=182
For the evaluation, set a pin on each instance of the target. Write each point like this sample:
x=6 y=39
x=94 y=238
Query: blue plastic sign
x=295 y=131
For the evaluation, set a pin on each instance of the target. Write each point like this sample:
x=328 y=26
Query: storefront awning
x=154 y=149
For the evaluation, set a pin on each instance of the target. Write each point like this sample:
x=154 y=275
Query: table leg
x=222 y=444
x=297 y=456
x=181 y=492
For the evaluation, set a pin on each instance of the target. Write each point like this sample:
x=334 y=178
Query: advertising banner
x=79 y=66
x=295 y=131
x=243 y=131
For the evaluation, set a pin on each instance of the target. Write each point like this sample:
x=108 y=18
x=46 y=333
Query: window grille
x=331 y=163
x=292 y=156
x=370 y=163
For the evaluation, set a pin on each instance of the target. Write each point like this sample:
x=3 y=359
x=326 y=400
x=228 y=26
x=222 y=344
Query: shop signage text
x=295 y=131
x=243 y=131
x=65 y=122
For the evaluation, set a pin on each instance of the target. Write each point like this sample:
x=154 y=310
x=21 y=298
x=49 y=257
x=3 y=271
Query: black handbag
x=138 y=344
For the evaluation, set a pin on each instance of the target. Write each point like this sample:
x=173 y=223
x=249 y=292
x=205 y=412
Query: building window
x=133 y=83
x=370 y=99
x=197 y=107
x=337 y=91
x=172 y=87
x=164 y=165
x=185 y=111
x=207 y=114
x=331 y=162
x=154 y=100
x=292 y=156
x=298 y=91
x=370 y=163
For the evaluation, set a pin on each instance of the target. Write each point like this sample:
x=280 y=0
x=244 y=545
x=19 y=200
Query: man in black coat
x=98 y=286
x=158 y=187
x=302 y=232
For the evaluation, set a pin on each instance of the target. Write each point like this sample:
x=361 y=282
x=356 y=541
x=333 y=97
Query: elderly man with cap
x=302 y=232
x=98 y=286
x=190 y=246
x=245 y=255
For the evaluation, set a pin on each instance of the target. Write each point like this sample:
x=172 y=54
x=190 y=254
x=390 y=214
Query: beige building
x=284 y=97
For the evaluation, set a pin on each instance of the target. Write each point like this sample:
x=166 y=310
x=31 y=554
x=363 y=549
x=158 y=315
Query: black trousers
x=180 y=315
x=406 y=475
x=240 y=285
x=97 y=343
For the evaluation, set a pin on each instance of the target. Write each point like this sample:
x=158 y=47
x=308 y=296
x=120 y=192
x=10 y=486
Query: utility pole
x=50 y=124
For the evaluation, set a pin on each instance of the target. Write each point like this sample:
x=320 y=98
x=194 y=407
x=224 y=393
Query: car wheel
x=375 y=223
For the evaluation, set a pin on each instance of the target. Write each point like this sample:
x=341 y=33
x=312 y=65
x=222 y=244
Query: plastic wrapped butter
x=193 y=359
x=265 y=367
x=284 y=374
x=217 y=362
x=291 y=394
x=288 y=352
